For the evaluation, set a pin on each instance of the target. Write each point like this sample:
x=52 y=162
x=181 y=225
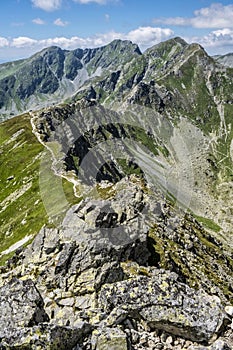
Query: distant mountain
x=120 y=173
x=53 y=74
x=225 y=60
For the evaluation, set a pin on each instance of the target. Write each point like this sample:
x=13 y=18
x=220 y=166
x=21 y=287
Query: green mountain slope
x=54 y=74
x=182 y=83
x=22 y=212
x=21 y=209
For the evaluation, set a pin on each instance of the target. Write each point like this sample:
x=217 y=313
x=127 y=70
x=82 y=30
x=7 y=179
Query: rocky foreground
x=98 y=280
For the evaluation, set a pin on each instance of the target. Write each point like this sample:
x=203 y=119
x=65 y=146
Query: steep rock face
x=177 y=149
x=22 y=300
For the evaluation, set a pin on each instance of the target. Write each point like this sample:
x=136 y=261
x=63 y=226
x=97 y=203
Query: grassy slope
x=23 y=214
x=22 y=211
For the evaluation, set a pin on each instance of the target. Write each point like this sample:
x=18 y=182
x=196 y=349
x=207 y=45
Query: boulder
x=45 y=336
x=109 y=339
x=163 y=303
x=21 y=305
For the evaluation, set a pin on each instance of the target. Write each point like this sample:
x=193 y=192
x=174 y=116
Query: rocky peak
x=122 y=44
x=163 y=49
x=111 y=56
x=48 y=51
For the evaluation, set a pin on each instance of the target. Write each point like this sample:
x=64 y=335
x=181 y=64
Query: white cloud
x=38 y=21
x=3 y=42
x=144 y=36
x=52 y=5
x=60 y=23
x=23 y=41
x=217 y=39
x=215 y=16
x=148 y=36
x=47 y=5
x=223 y=32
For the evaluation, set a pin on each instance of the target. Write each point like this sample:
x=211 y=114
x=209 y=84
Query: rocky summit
x=116 y=196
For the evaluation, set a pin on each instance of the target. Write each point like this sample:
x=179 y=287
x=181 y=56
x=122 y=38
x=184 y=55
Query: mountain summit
x=54 y=74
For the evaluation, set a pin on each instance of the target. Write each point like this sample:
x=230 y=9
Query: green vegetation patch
x=22 y=211
x=208 y=223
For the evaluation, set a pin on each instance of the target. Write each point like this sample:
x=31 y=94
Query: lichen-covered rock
x=97 y=281
x=21 y=305
x=109 y=339
x=45 y=336
x=163 y=303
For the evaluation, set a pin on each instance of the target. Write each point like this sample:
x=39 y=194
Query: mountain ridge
x=25 y=84
x=226 y=60
x=122 y=195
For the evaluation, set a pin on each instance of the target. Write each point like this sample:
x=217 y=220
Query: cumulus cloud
x=214 y=16
x=38 y=21
x=47 y=5
x=60 y=23
x=143 y=36
x=23 y=41
x=148 y=36
x=217 y=39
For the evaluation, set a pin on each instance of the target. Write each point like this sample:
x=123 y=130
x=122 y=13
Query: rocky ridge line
x=94 y=283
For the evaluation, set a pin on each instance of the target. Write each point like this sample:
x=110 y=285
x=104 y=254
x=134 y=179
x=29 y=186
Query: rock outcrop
x=94 y=283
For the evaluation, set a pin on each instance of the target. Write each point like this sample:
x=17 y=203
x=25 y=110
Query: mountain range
x=117 y=169
x=26 y=84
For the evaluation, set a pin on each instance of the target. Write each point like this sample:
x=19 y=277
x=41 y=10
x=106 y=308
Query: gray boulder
x=163 y=303
x=21 y=305
x=45 y=336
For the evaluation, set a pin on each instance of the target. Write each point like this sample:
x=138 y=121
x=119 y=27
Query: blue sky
x=27 y=26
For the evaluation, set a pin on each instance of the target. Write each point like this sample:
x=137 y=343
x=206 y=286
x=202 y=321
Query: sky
x=27 y=26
